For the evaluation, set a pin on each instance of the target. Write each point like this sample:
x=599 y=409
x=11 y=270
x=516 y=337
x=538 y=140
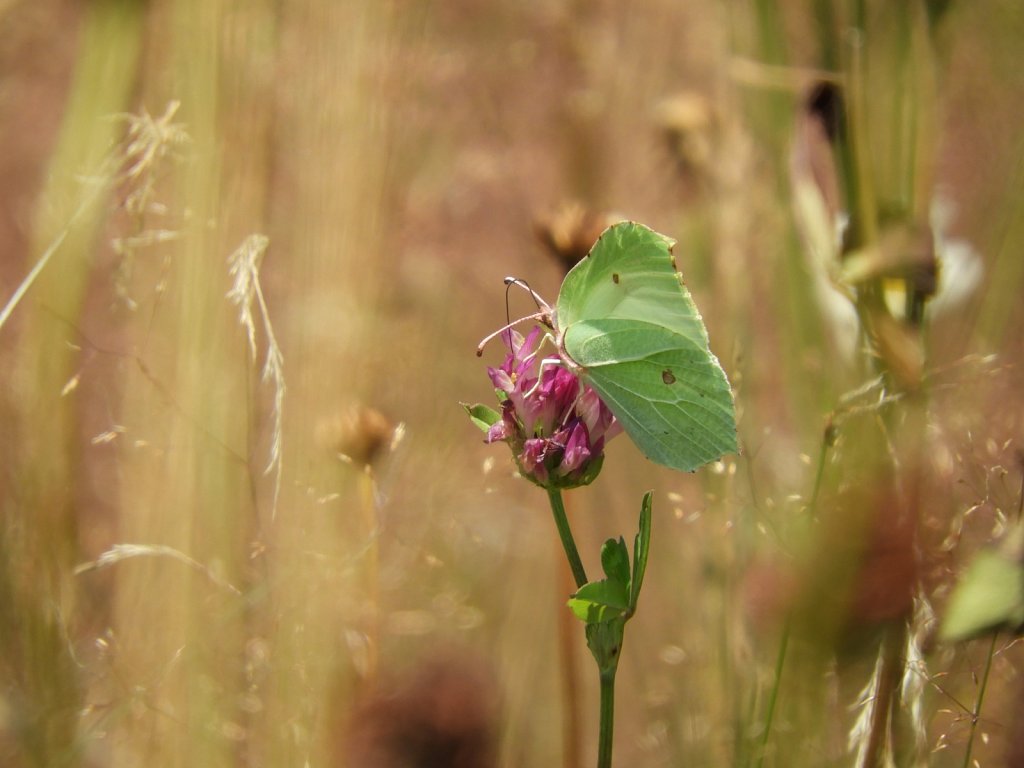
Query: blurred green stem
x=854 y=162
x=565 y=534
x=981 y=698
x=828 y=438
x=774 y=696
x=988 y=661
x=371 y=528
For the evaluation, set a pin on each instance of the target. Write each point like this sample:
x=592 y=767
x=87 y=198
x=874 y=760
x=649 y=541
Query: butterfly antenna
x=507 y=329
x=508 y=318
x=542 y=305
x=543 y=314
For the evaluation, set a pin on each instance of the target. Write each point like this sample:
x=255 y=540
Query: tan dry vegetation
x=167 y=600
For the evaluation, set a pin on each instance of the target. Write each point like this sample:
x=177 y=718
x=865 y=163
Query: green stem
x=565 y=534
x=774 y=697
x=604 y=743
x=780 y=660
x=826 y=442
x=977 y=704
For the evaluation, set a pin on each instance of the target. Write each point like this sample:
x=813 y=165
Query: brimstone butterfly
x=626 y=325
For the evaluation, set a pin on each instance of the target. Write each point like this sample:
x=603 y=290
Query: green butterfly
x=626 y=325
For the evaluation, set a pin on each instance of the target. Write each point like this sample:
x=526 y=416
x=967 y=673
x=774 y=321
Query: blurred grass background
x=398 y=157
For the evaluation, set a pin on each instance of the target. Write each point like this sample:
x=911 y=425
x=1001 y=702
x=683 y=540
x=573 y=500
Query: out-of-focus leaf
x=990 y=596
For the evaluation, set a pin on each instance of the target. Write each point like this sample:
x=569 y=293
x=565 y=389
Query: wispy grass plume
x=148 y=141
x=244 y=266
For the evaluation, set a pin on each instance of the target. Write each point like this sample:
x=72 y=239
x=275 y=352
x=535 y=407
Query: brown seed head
x=359 y=433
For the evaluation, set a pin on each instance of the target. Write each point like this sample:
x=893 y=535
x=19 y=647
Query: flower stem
x=565 y=534
x=607 y=727
x=371 y=529
x=568 y=653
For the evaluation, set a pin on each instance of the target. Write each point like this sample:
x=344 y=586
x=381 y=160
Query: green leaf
x=627 y=326
x=615 y=560
x=482 y=416
x=989 y=597
x=641 y=547
x=600 y=601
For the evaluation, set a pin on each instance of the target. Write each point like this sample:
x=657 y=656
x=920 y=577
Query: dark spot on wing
x=668 y=377
x=615 y=277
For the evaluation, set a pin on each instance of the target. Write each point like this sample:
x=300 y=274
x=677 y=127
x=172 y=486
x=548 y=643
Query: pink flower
x=556 y=427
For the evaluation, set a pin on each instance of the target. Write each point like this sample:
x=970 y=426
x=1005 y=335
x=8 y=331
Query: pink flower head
x=557 y=427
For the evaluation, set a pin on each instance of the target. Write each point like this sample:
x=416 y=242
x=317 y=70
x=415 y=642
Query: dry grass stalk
x=120 y=552
x=244 y=266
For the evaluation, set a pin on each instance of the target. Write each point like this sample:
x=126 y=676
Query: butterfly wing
x=629 y=326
